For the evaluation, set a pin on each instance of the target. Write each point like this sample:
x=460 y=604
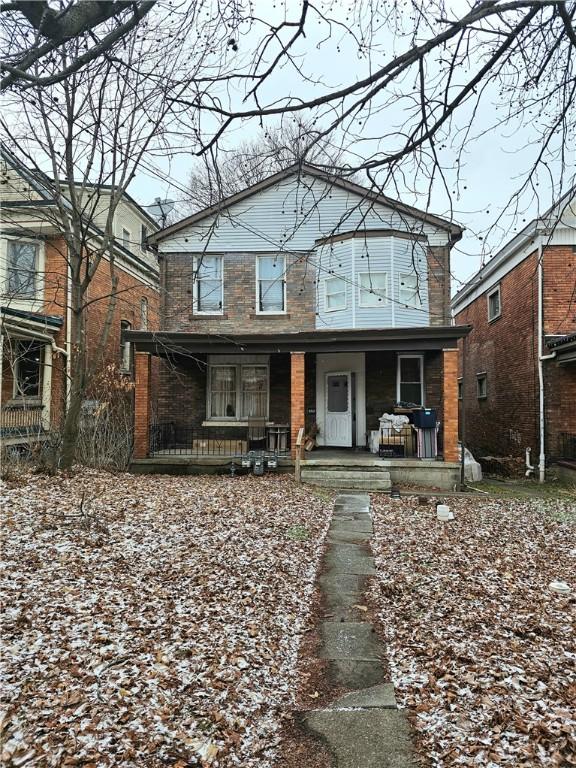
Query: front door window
x=338 y=417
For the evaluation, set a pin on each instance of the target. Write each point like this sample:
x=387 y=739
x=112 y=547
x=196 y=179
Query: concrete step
x=366 y=481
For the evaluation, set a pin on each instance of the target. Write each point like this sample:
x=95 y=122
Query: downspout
x=541 y=359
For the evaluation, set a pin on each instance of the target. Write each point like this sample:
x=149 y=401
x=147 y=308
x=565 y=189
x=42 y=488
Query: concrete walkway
x=363 y=728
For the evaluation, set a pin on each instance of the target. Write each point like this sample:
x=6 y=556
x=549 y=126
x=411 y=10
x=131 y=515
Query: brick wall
x=450 y=401
x=439 y=284
x=559 y=289
x=239 y=312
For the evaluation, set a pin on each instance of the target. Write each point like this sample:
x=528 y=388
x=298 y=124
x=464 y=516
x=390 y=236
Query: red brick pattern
x=450 y=387
x=559 y=289
x=297 y=396
x=142 y=384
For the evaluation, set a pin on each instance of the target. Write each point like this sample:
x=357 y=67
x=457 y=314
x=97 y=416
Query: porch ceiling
x=381 y=339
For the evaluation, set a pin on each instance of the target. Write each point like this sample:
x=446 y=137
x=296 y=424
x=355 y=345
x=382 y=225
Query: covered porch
x=337 y=385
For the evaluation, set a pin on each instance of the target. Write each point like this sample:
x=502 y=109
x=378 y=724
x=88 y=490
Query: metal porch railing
x=174 y=439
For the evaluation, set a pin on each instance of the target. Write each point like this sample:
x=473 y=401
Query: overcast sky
x=491 y=169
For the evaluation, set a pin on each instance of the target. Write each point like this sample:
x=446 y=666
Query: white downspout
x=541 y=358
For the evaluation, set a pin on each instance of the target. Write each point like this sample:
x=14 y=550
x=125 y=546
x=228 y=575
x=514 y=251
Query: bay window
x=238 y=390
x=373 y=289
x=208 y=285
x=271 y=284
x=410 y=287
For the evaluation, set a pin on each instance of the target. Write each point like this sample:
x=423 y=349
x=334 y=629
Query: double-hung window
x=494 y=304
x=238 y=391
x=334 y=294
x=126 y=238
x=409 y=292
x=373 y=289
x=208 y=285
x=271 y=284
x=28 y=369
x=410 y=381
x=22 y=263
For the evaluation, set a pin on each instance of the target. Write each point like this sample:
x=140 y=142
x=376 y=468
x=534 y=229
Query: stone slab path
x=363 y=728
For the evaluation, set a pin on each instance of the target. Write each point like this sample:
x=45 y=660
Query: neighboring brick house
x=518 y=364
x=305 y=300
x=34 y=285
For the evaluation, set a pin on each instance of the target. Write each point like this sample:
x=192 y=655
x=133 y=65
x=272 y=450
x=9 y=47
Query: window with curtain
x=223 y=392
x=271 y=284
x=373 y=289
x=335 y=293
x=209 y=284
x=238 y=392
x=28 y=369
x=410 y=380
x=410 y=287
x=254 y=391
x=22 y=259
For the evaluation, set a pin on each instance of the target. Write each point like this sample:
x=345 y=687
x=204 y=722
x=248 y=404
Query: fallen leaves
x=481 y=651
x=164 y=634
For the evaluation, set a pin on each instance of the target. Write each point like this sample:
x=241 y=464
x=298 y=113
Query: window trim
x=345 y=292
x=489 y=294
x=482 y=375
x=38 y=267
x=229 y=362
x=405 y=304
x=195 y=285
x=126 y=231
x=400 y=357
x=125 y=348
x=284 y=285
x=17 y=394
x=385 y=299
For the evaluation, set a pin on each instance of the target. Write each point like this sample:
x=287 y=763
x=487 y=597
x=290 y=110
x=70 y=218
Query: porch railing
x=21 y=420
x=173 y=439
x=567 y=446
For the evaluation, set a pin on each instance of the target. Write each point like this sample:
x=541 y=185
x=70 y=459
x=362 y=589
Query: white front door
x=338 y=421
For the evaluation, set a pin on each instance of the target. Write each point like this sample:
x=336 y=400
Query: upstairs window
x=208 y=285
x=335 y=294
x=144 y=238
x=494 y=304
x=126 y=238
x=28 y=369
x=481 y=386
x=410 y=287
x=271 y=284
x=144 y=314
x=125 y=348
x=373 y=289
x=22 y=261
x=410 y=381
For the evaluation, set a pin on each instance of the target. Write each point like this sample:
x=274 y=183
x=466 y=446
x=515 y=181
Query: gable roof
x=299 y=169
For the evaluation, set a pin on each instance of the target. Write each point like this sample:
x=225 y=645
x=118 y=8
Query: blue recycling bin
x=425 y=418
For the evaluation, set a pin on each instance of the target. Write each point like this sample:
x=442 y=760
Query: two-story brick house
x=518 y=364
x=36 y=322
x=305 y=300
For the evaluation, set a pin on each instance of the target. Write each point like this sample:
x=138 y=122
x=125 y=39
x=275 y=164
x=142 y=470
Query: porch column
x=142 y=368
x=296 y=397
x=450 y=390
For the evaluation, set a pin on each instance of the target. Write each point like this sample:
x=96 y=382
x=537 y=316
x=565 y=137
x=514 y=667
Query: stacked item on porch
x=395 y=433
x=424 y=420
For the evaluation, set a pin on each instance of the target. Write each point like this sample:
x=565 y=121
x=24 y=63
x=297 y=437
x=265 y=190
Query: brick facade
x=450 y=400
x=506 y=421
x=297 y=397
x=439 y=284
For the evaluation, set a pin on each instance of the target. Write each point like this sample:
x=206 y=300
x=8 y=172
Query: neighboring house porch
x=335 y=384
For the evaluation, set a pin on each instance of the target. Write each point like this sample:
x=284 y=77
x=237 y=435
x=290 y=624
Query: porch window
x=28 y=368
x=335 y=294
x=208 y=285
x=238 y=391
x=409 y=293
x=22 y=259
x=373 y=289
x=271 y=284
x=410 y=383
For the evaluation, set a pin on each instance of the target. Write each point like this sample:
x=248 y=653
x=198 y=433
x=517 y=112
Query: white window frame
x=238 y=362
x=38 y=269
x=399 y=372
x=126 y=238
x=344 y=292
x=495 y=291
x=417 y=302
x=482 y=375
x=284 y=283
x=372 y=292
x=196 y=263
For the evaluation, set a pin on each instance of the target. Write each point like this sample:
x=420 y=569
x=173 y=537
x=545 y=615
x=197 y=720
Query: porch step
x=330 y=477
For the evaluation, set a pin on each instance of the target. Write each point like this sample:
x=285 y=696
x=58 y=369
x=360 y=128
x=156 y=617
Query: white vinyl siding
x=270 y=284
x=372 y=289
x=208 y=285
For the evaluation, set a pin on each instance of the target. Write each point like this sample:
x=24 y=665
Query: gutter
x=541 y=359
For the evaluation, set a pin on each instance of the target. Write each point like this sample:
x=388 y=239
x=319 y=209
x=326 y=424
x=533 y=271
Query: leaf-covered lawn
x=161 y=627
x=482 y=653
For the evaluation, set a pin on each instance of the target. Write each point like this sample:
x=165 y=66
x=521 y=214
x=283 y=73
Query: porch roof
x=165 y=343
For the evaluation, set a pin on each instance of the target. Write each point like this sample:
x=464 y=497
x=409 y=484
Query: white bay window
x=373 y=289
x=410 y=287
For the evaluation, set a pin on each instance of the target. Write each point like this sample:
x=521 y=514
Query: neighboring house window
x=125 y=348
x=144 y=237
x=373 y=289
x=460 y=389
x=410 y=381
x=335 y=293
x=28 y=369
x=143 y=314
x=271 y=284
x=409 y=293
x=22 y=259
x=494 y=304
x=208 y=285
x=126 y=237
x=238 y=391
x=481 y=386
